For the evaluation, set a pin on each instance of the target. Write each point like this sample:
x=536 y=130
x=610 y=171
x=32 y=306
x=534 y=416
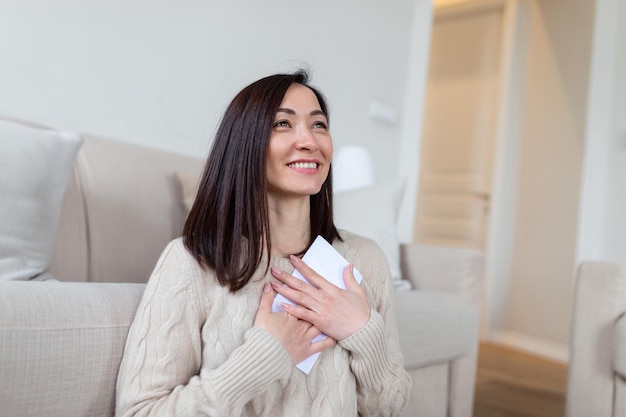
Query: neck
x=290 y=226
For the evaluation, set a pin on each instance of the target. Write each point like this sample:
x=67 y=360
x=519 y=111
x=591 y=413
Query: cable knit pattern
x=192 y=350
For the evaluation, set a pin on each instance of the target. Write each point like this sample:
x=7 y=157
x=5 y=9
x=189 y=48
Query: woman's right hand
x=294 y=334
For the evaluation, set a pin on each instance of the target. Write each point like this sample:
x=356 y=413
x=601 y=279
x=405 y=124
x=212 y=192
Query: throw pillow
x=35 y=165
x=373 y=212
x=188 y=183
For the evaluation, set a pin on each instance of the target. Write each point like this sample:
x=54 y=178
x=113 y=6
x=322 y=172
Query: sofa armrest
x=599 y=300
x=449 y=269
x=61 y=344
x=434 y=327
x=619 y=347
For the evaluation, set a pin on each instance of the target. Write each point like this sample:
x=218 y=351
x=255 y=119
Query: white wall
x=614 y=246
x=550 y=161
x=413 y=115
x=160 y=73
x=601 y=174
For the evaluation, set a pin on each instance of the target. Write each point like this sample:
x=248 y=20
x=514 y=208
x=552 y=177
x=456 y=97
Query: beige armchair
x=450 y=281
x=597 y=370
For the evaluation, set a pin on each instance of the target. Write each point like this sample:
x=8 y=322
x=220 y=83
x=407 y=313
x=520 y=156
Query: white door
x=459 y=127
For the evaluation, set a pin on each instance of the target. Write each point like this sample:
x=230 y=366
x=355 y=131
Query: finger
x=309 y=273
x=291 y=281
x=300 y=312
x=294 y=295
x=267 y=296
x=348 y=277
x=313 y=331
x=322 y=345
x=295 y=290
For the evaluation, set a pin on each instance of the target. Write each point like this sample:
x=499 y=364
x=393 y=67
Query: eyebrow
x=291 y=111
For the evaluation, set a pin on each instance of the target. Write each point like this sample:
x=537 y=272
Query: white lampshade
x=352 y=168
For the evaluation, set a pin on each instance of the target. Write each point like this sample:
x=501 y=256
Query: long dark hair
x=228 y=225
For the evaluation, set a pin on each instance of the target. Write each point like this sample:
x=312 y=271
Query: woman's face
x=300 y=147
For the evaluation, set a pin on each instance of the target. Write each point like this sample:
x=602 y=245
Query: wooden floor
x=510 y=383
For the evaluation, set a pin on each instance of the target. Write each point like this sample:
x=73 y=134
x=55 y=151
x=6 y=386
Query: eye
x=320 y=125
x=282 y=123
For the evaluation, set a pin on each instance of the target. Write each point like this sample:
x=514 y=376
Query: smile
x=303 y=165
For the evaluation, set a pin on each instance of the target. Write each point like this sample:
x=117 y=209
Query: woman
x=205 y=340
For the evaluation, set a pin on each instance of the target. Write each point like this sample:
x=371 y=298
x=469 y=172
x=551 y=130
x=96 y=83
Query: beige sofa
x=597 y=367
x=61 y=342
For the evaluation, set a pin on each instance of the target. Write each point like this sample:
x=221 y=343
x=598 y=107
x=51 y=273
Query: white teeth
x=309 y=165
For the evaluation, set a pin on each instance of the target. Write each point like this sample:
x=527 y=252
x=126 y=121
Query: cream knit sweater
x=192 y=350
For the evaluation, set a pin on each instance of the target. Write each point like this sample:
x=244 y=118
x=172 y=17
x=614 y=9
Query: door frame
x=502 y=219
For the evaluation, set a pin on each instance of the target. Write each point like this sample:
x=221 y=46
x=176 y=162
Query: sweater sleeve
x=383 y=385
x=162 y=372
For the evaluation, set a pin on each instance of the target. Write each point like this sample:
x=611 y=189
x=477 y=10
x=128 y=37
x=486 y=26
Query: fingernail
x=276 y=284
x=276 y=271
x=295 y=259
x=351 y=268
x=267 y=288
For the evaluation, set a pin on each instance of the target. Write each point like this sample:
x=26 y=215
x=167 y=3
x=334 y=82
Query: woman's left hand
x=336 y=312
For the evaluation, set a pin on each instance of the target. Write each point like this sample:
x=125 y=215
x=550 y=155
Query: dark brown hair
x=228 y=225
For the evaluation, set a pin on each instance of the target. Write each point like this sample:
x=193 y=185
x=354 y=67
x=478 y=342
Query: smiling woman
x=231 y=214
x=300 y=147
x=205 y=340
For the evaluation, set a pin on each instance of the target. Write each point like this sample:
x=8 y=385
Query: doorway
x=459 y=131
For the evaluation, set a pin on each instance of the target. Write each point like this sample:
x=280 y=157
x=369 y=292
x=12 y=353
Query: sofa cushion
x=188 y=184
x=434 y=326
x=619 y=346
x=373 y=212
x=133 y=208
x=61 y=346
x=35 y=165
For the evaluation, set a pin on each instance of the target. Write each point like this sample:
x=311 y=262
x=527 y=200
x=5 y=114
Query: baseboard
x=558 y=352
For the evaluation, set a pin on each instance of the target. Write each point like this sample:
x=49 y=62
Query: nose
x=305 y=140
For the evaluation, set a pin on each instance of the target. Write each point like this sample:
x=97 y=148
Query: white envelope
x=327 y=262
